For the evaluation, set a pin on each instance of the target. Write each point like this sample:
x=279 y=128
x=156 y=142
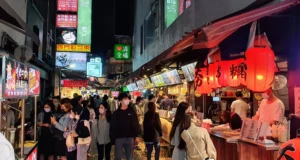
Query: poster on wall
x=66 y=21
x=67 y=5
x=16 y=79
x=84 y=30
x=71 y=60
x=171 y=11
x=66 y=36
x=34 y=82
x=297 y=100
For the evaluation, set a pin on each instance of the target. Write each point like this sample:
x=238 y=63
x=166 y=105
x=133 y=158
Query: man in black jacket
x=124 y=129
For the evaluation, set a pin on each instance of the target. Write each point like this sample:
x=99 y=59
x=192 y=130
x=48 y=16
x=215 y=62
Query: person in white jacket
x=196 y=140
x=7 y=151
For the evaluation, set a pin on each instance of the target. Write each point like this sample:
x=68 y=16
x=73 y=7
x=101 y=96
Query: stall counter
x=226 y=147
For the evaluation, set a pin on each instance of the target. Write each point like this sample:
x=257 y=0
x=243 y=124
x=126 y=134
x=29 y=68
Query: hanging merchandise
x=201 y=81
x=261 y=68
x=232 y=73
x=213 y=74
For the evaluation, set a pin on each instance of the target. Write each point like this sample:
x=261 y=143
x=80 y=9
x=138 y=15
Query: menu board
x=34 y=82
x=67 y=5
x=16 y=79
x=158 y=80
x=144 y=84
x=66 y=21
x=171 y=77
x=115 y=93
x=254 y=130
x=189 y=71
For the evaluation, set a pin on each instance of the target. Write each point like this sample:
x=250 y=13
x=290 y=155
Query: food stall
x=133 y=91
x=69 y=87
x=144 y=86
x=189 y=75
x=20 y=81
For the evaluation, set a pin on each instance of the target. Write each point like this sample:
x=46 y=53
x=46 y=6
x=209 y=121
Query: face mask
x=265 y=96
x=47 y=110
x=77 y=117
x=101 y=111
x=72 y=116
x=126 y=102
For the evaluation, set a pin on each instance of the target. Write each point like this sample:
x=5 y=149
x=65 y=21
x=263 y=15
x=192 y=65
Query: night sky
x=109 y=18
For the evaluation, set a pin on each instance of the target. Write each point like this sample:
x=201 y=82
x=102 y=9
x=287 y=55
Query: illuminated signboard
x=158 y=80
x=122 y=52
x=74 y=83
x=16 y=79
x=34 y=82
x=66 y=36
x=115 y=93
x=171 y=77
x=73 y=48
x=189 y=71
x=66 y=21
x=67 y=5
x=84 y=30
x=171 y=11
x=125 y=89
x=94 y=67
x=144 y=84
x=71 y=60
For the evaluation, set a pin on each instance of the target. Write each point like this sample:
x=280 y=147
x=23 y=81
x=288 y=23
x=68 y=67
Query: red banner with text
x=74 y=83
x=67 y=5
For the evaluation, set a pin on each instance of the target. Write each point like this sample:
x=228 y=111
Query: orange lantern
x=290 y=150
x=232 y=73
x=212 y=75
x=261 y=68
x=201 y=81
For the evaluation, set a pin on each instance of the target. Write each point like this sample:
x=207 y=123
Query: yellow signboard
x=73 y=48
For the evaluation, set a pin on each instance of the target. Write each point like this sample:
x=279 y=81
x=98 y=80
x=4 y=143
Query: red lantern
x=232 y=73
x=290 y=149
x=201 y=81
x=260 y=68
x=212 y=75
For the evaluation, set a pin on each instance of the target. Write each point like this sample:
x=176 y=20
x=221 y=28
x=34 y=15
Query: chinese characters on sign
x=73 y=48
x=297 y=100
x=122 y=52
x=16 y=80
x=171 y=11
x=74 y=83
x=84 y=29
x=71 y=60
x=67 y=5
x=66 y=21
x=34 y=82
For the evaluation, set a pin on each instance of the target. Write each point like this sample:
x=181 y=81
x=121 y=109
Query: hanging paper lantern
x=201 y=81
x=232 y=73
x=92 y=79
x=261 y=68
x=290 y=150
x=212 y=75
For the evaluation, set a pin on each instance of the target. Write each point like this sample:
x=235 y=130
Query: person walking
x=60 y=125
x=71 y=136
x=152 y=131
x=124 y=129
x=196 y=140
x=103 y=139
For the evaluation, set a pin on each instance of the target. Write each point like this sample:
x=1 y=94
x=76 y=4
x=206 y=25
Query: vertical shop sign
x=34 y=82
x=171 y=11
x=122 y=52
x=297 y=100
x=84 y=29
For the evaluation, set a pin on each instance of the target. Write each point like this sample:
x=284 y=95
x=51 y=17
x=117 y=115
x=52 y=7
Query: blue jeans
x=150 y=146
x=124 y=143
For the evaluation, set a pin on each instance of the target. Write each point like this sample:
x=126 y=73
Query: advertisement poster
x=74 y=83
x=158 y=80
x=84 y=30
x=16 y=80
x=66 y=36
x=73 y=48
x=171 y=11
x=33 y=155
x=71 y=60
x=67 y=5
x=34 y=82
x=66 y=21
x=122 y=52
x=94 y=69
x=297 y=100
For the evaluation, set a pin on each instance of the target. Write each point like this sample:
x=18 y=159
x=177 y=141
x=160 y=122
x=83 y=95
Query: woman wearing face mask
x=271 y=109
x=60 y=148
x=71 y=136
x=46 y=140
x=103 y=140
x=178 y=153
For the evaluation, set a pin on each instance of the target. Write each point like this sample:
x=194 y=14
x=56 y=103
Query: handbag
x=70 y=141
x=206 y=158
x=86 y=140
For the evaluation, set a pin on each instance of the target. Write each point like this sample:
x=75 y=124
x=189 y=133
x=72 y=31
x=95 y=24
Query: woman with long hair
x=71 y=136
x=196 y=141
x=152 y=131
x=60 y=125
x=182 y=109
x=103 y=140
x=46 y=140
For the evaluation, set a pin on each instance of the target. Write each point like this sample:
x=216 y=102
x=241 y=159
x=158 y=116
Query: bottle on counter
x=275 y=133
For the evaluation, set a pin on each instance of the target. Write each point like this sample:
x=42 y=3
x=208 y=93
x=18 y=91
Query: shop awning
x=210 y=36
x=10 y=18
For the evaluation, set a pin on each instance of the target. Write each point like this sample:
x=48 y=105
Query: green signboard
x=122 y=52
x=84 y=29
x=125 y=89
x=171 y=11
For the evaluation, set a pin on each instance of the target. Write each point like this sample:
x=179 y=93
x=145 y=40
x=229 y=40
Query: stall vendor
x=271 y=108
